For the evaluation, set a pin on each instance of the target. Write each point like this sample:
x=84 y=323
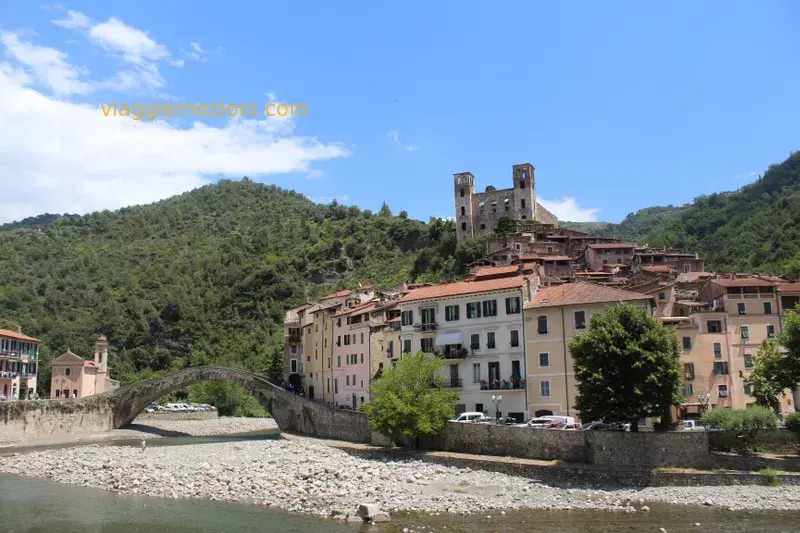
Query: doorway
x=494 y=372
x=311 y=392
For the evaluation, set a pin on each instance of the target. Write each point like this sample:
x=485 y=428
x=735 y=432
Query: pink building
x=350 y=365
x=73 y=377
x=19 y=357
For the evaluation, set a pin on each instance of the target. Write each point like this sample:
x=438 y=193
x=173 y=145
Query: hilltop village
x=505 y=329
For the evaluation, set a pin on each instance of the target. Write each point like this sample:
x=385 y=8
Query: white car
x=692 y=425
x=467 y=417
x=536 y=422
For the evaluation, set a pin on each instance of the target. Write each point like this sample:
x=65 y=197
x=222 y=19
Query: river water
x=40 y=506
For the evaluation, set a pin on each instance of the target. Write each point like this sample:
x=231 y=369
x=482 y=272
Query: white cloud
x=75 y=20
x=134 y=44
x=328 y=199
x=568 y=209
x=59 y=156
x=198 y=53
x=396 y=138
x=196 y=47
x=315 y=174
x=48 y=66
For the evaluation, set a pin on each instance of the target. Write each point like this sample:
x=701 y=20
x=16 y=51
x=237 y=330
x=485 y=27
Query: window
x=723 y=391
x=347 y=379
x=521 y=184
x=544 y=388
x=542 y=325
x=462 y=192
x=770 y=331
x=522 y=203
x=580 y=319
x=362 y=338
x=463 y=226
x=316 y=328
x=475 y=341
x=748 y=360
x=745 y=332
x=362 y=358
x=293 y=349
x=463 y=211
x=494 y=207
x=720 y=368
x=428 y=316
x=767 y=308
x=316 y=353
x=507 y=204
x=687 y=343
x=293 y=366
x=544 y=359
x=476 y=373
x=338 y=361
x=325 y=342
x=714 y=326
x=407 y=318
x=407 y=346
x=481 y=205
x=490 y=308
x=474 y=310
x=514 y=338
x=688 y=390
x=390 y=349
x=717 y=350
x=662 y=296
x=741 y=307
x=338 y=340
x=426 y=345
x=490 y=340
x=478 y=407
x=451 y=313
x=347 y=340
x=329 y=384
x=483 y=226
x=512 y=305
x=748 y=389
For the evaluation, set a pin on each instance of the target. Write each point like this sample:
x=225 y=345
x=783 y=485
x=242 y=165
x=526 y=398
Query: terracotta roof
x=659 y=268
x=337 y=294
x=361 y=308
x=495 y=271
x=743 y=282
x=610 y=245
x=15 y=335
x=789 y=287
x=580 y=293
x=88 y=363
x=463 y=287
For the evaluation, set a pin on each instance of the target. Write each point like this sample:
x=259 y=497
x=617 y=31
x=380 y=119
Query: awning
x=443 y=339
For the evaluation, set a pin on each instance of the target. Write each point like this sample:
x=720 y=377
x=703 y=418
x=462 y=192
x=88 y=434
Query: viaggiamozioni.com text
x=152 y=111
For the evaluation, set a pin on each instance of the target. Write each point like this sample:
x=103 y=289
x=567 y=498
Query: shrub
x=741 y=420
x=792 y=422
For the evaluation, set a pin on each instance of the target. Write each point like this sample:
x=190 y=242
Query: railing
x=396 y=326
x=28 y=374
x=689 y=375
x=359 y=325
x=751 y=296
x=9 y=353
x=294 y=338
x=503 y=384
x=455 y=354
x=427 y=326
x=452 y=383
x=7 y=375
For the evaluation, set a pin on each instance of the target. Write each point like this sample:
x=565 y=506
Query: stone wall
x=29 y=419
x=648 y=449
x=176 y=415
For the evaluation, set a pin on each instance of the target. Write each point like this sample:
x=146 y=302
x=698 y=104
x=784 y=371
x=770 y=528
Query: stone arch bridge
x=118 y=408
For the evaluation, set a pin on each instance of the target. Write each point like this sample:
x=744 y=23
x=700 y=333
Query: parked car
x=467 y=417
x=536 y=422
x=561 y=422
x=484 y=420
x=599 y=426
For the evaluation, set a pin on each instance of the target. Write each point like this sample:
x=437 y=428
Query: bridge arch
x=291 y=412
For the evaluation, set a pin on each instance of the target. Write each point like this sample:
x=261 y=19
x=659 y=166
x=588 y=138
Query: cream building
x=476 y=326
x=73 y=377
x=552 y=318
x=19 y=359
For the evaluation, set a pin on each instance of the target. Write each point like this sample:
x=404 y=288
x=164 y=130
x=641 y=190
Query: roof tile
x=463 y=287
x=580 y=293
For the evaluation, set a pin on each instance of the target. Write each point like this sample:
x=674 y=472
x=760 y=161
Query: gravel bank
x=302 y=475
x=212 y=426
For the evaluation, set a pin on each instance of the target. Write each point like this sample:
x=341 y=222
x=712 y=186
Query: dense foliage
x=756 y=228
x=627 y=367
x=742 y=421
x=792 y=422
x=204 y=277
x=407 y=401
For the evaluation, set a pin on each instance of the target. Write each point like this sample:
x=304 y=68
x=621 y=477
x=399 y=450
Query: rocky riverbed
x=143 y=427
x=307 y=476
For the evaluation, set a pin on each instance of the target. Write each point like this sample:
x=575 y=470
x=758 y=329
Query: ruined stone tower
x=479 y=213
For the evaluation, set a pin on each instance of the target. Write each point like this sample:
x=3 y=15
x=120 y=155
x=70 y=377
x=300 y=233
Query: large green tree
x=408 y=401
x=627 y=366
x=777 y=364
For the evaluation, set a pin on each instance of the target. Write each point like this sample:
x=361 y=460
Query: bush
x=741 y=420
x=793 y=422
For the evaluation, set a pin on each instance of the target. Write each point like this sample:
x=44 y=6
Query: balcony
x=451 y=383
x=294 y=338
x=9 y=375
x=503 y=384
x=427 y=326
x=8 y=353
x=26 y=375
x=689 y=375
x=457 y=353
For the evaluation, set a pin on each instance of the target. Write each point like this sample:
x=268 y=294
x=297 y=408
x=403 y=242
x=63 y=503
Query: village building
x=19 y=361
x=73 y=377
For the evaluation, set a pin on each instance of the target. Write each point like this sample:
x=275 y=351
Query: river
x=40 y=506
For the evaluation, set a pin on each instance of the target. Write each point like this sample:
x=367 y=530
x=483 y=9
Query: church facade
x=74 y=377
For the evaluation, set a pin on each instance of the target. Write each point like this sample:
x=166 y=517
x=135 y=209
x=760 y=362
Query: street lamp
x=704 y=400
x=497 y=400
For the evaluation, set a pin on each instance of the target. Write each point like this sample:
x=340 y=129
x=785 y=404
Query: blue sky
x=619 y=106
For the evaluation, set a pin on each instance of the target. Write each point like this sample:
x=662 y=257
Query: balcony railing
x=459 y=353
x=452 y=383
x=503 y=384
x=7 y=375
x=689 y=375
x=427 y=326
x=294 y=338
x=28 y=374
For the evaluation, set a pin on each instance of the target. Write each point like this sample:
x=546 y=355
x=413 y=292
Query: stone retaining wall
x=28 y=419
x=176 y=415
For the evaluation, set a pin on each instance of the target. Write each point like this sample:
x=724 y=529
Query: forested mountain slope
x=204 y=277
x=756 y=228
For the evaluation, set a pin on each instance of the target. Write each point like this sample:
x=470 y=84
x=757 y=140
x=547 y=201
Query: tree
x=507 y=224
x=627 y=366
x=408 y=401
x=385 y=211
x=769 y=375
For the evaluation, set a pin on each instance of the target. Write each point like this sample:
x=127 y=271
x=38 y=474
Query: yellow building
x=552 y=318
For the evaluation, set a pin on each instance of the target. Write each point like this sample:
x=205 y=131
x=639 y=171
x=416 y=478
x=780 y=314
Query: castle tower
x=524 y=191
x=463 y=192
x=101 y=355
